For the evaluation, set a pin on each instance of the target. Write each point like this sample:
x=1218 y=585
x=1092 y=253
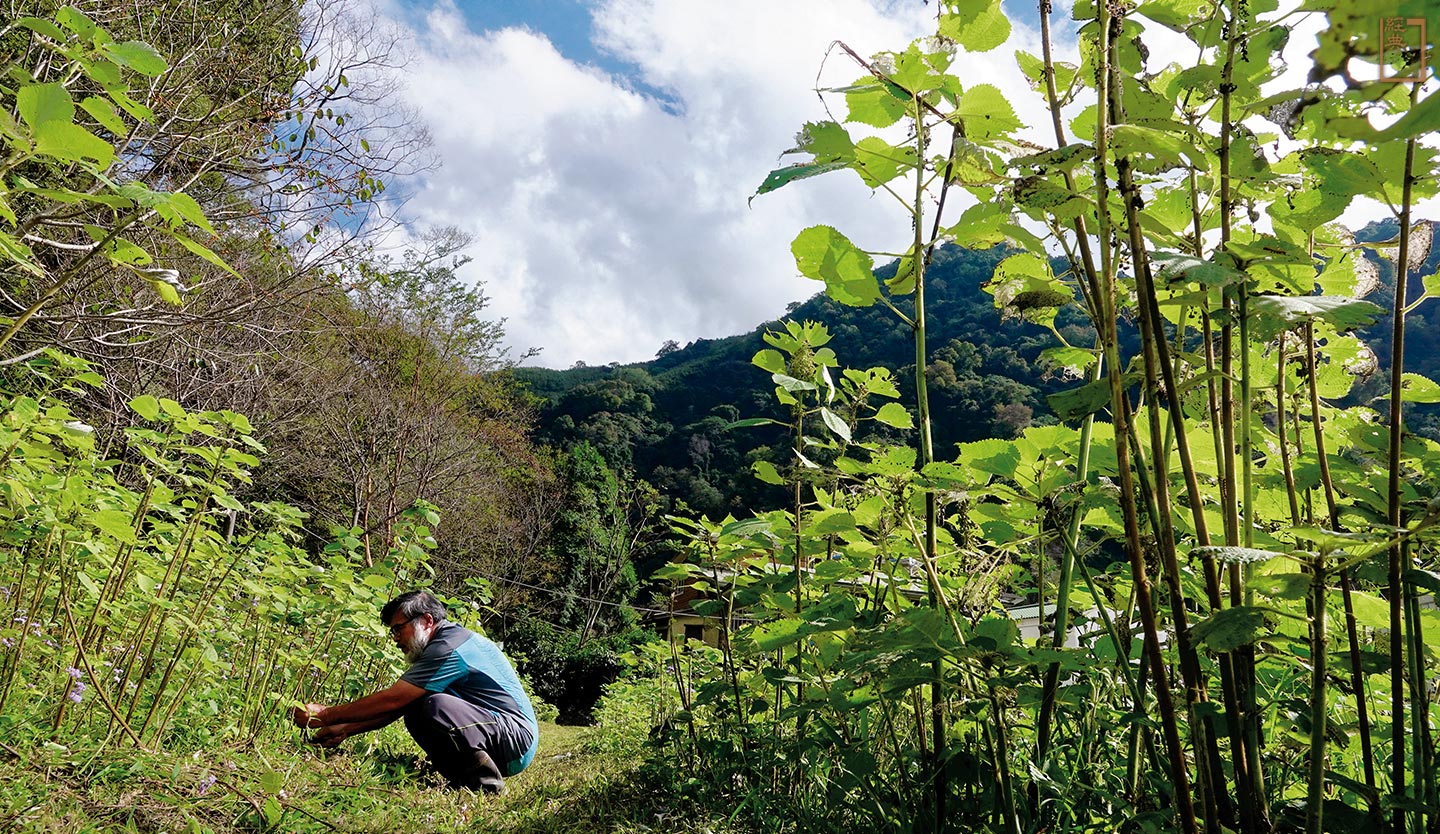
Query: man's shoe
x=482 y=775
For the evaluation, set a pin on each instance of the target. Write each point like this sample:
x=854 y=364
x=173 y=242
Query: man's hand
x=308 y=716
x=331 y=736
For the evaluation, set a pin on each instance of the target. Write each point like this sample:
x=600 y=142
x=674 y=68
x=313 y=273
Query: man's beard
x=415 y=645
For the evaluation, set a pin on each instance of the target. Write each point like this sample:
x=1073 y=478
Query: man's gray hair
x=412 y=604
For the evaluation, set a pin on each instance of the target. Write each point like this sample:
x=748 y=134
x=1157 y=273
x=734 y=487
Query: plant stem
x=1396 y=590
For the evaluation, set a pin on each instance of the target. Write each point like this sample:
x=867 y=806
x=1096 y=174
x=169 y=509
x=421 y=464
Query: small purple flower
x=74 y=673
x=206 y=784
x=77 y=692
x=7 y=642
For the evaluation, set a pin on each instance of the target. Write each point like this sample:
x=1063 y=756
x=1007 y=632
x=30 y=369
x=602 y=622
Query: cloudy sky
x=602 y=152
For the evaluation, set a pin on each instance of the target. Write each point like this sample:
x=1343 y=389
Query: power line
x=573 y=594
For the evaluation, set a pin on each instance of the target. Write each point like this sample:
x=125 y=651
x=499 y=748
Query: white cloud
x=607 y=221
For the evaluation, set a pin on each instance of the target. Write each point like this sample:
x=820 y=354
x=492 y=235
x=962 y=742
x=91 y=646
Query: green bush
x=565 y=672
x=633 y=707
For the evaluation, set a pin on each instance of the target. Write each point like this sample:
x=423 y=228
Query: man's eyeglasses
x=400 y=626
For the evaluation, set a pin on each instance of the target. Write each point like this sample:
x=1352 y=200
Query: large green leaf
x=1415 y=388
x=104 y=113
x=1068 y=360
x=980 y=225
x=835 y=424
x=1370 y=611
x=1281 y=585
x=1084 y=400
x=945 y=475
x=146 y=406
x=769 y=360
x=878 y=162
x=873 y=102
x=895 y=414
x=77 y=21
x=1155 y=150
x=1288 y=310
x=1343 y=172
x=1232 y=628
x=1234 y=555
x=976 y=25
x=136 y=55
x=986 y=112
x=791 y=384
x=1059 y=159
x=1045 y=197
x=1034 y=70
x=971 y=165
x=43 y=27
x=778 y=634
x=746 y=527
x=917 y=70
x=41 y=104
x=183 y=207
x=1421 y=119
x=73 y=143
x=1024 y=284
x=1175 y=14
x=165 y=288
x=1308 y=209
x=822 y=253
x=993 y=456
x=203 y=251
x=114 y=523
x=830 y=147
x=1176 y=267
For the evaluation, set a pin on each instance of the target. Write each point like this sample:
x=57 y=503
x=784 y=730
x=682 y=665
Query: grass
x=376 y=785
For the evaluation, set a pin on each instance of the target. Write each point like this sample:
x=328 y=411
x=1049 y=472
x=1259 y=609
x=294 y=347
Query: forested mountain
x=666 y=419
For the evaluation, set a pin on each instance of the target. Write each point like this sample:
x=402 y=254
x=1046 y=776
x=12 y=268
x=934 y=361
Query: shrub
x=565 y=672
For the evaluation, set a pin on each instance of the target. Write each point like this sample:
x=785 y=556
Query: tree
x=409 y=357
x=126 y=258
x=609 y=520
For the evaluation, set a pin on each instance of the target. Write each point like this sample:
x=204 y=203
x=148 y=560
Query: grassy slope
x=371 y=787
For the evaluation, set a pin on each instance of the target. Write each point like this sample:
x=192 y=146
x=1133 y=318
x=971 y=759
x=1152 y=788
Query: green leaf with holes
x=1281 y=585
x=1234 y=555
x=986 y=112
x=1415 y=388
x=1278 y=312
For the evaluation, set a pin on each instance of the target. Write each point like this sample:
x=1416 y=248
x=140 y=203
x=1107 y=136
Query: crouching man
x=460 y=698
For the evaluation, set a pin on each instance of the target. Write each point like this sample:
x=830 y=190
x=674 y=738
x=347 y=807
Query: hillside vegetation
x=1191 y=439
x=666 y=420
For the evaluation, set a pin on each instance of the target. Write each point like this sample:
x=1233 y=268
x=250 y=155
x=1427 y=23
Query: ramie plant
x=145 y=604
x=1245 y=559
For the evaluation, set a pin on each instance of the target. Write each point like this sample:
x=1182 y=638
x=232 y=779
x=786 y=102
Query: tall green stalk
x=1315 y=795
x=1109 y=29
x=1395 y=579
